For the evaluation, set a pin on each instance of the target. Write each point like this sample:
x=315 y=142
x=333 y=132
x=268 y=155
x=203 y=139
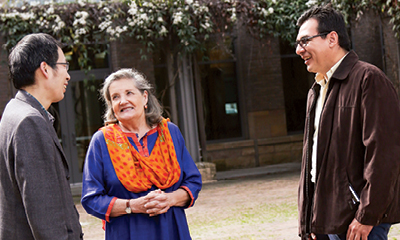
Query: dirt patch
x=263 y=207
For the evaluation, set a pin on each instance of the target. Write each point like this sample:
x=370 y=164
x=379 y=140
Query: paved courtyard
x=246 y=208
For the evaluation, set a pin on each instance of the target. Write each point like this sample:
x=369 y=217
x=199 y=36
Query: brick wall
x=366 y=39
x=255 y=153
x=391 y=54
x=127 y=54
x=259 y=64
x=374 y=42
x=261 y=90
x=260 y=73
x=260 y=70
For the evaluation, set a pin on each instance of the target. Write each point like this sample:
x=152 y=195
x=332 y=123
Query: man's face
x=314 y=51
x=59 y=78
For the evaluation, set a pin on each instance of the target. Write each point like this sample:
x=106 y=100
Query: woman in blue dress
x=138 y=176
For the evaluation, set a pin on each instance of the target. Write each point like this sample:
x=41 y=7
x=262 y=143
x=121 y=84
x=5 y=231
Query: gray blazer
x=35 y=196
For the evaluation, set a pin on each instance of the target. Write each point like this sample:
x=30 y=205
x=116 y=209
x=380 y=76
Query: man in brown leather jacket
x=350 y=179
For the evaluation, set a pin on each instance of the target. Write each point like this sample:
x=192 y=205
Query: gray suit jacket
x=35 y=196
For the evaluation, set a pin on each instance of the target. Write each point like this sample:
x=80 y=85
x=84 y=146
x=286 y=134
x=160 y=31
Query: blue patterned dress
x=101 y=187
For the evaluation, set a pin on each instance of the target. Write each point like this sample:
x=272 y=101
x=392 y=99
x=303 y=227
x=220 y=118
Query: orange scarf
x=136 y=172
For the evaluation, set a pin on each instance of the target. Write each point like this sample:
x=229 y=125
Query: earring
x=145 y=106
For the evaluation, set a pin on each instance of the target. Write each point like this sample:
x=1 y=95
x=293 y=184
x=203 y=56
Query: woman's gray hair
x=154 y=109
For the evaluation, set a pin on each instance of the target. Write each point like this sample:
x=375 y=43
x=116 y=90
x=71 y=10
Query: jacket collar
x=26 y=97
x=345 y=67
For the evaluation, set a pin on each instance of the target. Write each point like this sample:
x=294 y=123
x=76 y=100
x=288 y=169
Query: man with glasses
x=35 y=196
x=350 y=180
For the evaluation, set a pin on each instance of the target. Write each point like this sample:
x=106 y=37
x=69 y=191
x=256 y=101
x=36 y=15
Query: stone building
x=240 y=104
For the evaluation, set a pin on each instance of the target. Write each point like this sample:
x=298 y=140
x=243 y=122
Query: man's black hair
x=27 y=56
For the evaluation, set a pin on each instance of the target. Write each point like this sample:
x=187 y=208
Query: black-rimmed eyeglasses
x=66 y=64
x=303 y=42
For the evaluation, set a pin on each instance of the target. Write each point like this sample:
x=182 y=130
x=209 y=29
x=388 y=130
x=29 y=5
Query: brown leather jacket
x=358 y=145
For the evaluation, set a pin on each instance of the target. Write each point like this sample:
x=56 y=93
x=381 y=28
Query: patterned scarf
x=136 y=172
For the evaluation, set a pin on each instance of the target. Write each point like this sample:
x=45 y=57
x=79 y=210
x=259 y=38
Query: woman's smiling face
x=127 y=101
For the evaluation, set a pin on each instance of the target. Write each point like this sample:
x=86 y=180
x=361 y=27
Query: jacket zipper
x=308 y=215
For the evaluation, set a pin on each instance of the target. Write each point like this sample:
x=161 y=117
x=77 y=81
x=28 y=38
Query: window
x=97 y=56
x=162 y=87
x=296 y=82
x=80 y=112
x=217 y=66
x=219 y=87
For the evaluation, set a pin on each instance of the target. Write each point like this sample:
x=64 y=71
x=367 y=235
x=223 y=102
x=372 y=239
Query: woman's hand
x=136 y=205
x=155 y=203
x=159 y=202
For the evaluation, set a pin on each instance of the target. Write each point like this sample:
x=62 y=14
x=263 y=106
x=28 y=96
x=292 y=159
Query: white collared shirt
x=323 y=81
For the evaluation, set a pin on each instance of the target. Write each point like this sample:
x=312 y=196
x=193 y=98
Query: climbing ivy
x=186 y=23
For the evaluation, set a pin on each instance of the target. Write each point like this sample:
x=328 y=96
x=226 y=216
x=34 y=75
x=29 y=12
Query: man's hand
x=358 y=231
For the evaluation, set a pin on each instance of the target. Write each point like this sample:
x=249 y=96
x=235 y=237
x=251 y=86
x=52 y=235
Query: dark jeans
x=379 y=232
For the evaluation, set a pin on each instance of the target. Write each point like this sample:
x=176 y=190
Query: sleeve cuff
x=190 y=194
x=367 y=219
x=110 y=206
